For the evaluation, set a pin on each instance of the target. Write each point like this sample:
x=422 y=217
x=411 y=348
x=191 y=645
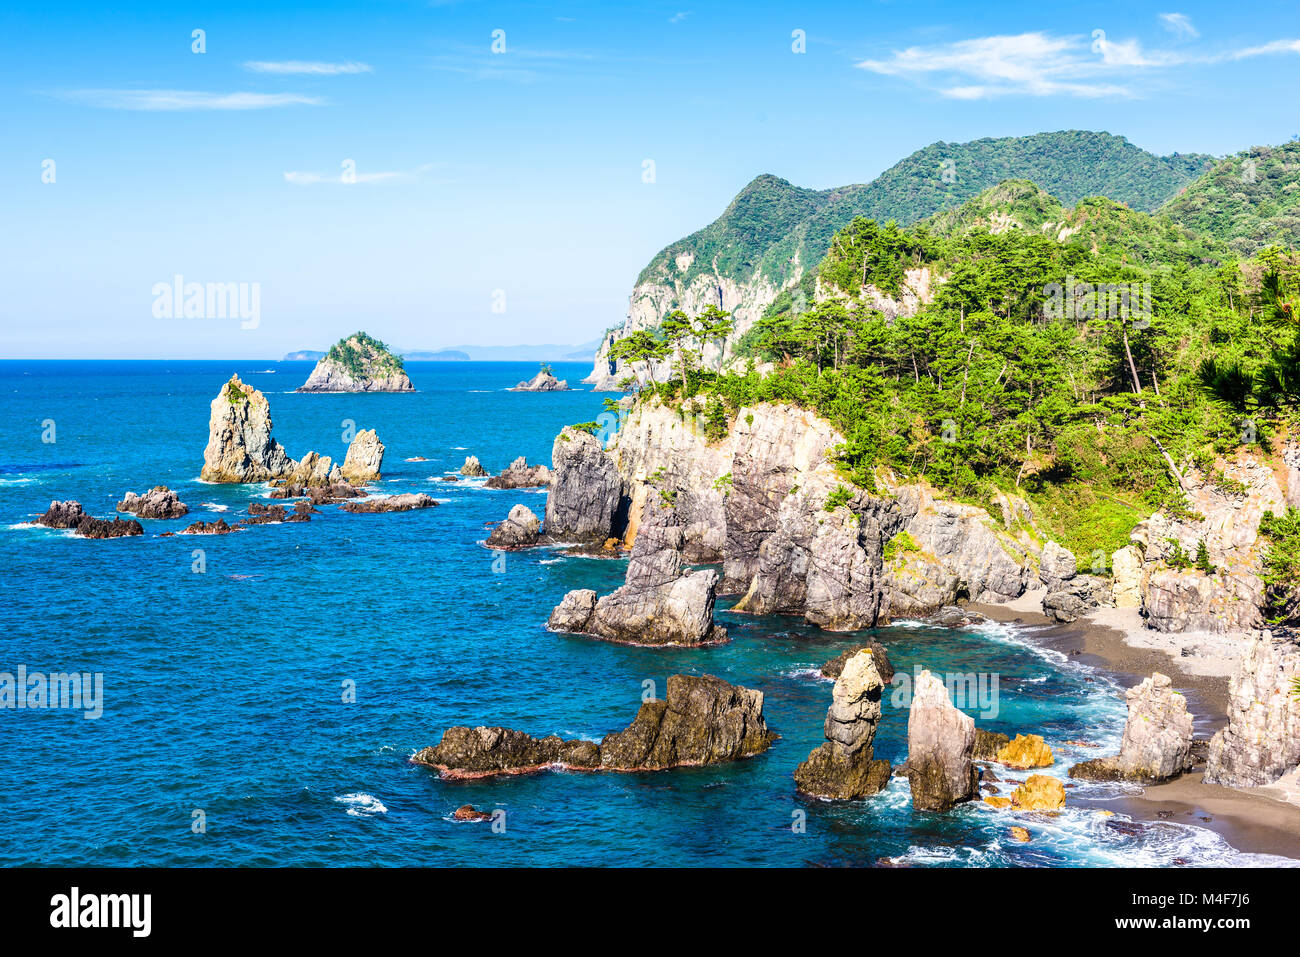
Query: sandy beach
x=1252 y=821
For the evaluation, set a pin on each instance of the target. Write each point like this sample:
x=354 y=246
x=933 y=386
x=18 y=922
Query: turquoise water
x=223 y=690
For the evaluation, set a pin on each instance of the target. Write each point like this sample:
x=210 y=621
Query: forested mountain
x=1249 y=200
x=772 y=225
x=773 y=233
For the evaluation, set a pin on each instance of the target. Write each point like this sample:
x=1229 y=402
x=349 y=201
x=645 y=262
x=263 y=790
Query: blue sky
x=517 y=177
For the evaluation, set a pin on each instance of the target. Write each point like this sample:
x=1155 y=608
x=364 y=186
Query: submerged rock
x=521 y=475
x=390 y=503
x=702 y=720
x=845 y=767
x=473 y=467
x=365 y=458
x=240 y=447
x=100 y=528
x=544 y=381
x=1157 y=743
x=519 y=530
x=358 y=363
x=1261 y=742
x=159 y=502
x=585 y=490
x=940 y=740
x=219 y=527
x=273 y=515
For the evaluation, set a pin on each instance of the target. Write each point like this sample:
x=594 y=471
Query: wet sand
x=1249 y=821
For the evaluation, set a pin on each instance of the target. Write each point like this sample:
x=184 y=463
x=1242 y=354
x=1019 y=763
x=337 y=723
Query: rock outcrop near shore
x=658 y=604
x=390 y=503
x=365 y=458
x=520 y=530
x=1223 y=513
x=845 y=767
x=544 y=381
x=240 y=447
x=159 y=502
x=701 y=720
x=72 y=515
x=520 y=475
x=586 y=489
x=1157 y=743
x=1261 y=742
x=358 y=363
x=940 y=742
x=473 y=467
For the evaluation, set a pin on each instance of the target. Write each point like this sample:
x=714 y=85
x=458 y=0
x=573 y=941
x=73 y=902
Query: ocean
x=226 y=737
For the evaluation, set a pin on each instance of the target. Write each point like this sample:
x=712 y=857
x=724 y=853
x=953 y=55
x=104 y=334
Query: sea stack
x=240 y=447
x=1157 y=741
x=940 y=740
x=358 y=363
x=365 y=458
x=845 y=767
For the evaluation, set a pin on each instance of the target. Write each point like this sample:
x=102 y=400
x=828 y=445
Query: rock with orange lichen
x=1025 y=752
x=1039 y=793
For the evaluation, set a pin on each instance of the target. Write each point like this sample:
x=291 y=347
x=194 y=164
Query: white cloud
x=1027 y=64
x=176 y=100
x=300 y=178
x=309 y=67
x=678 y=17
x=1268 y=49
x=1044 y=64
x=1180 y=25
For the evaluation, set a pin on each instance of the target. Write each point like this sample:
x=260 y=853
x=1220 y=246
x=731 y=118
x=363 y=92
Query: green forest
x=1085 y=356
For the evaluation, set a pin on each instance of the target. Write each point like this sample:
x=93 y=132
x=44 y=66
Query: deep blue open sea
x=223 y=691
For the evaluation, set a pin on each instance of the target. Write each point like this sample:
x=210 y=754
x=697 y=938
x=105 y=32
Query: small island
x=544 y=381
x=358 y=363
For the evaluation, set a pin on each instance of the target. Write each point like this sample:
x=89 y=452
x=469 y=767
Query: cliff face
x=358 y=364
x=1226 y=518
x=756 y=501
x=666 y=289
